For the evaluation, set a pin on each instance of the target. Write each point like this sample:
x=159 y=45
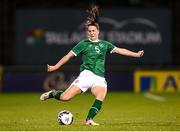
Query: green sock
x=94 y=109
x=56 y=94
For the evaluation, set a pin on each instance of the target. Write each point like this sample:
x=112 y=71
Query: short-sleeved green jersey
x=93 y=55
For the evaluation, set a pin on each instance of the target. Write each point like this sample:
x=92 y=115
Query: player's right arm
x=61 y=62
x=74 y=52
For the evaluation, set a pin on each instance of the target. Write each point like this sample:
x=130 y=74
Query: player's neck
x=97 y=40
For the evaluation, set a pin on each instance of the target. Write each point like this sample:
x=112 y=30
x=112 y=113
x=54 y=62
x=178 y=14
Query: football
x=65 y=118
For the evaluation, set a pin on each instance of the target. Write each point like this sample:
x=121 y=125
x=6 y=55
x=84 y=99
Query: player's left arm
x=126 y=52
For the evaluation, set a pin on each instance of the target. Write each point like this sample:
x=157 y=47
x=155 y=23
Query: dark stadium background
x=8 y=13
x=19 y=63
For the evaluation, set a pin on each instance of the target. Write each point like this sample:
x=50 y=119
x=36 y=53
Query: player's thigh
x=99 y=92
x=70 y=92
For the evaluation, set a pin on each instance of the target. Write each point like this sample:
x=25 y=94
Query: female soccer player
x=93 y=53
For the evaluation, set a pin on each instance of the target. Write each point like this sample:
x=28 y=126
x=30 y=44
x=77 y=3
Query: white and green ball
x=65 y=118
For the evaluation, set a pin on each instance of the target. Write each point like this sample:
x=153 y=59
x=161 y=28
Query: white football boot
x=45 y=95
x=91 y=122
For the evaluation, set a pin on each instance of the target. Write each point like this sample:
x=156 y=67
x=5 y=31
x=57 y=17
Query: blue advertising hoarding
x=40 y=81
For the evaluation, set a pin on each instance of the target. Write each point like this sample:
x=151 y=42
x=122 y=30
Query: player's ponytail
x=93 y=16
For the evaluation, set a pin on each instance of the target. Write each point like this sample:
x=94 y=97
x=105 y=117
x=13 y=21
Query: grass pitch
x=120 y=111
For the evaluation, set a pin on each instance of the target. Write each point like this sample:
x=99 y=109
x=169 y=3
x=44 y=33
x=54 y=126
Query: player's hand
x=50 y=68
x=140 y=53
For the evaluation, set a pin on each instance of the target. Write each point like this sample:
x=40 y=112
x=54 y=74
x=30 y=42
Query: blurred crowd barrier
x=1 y=75
x=36 y=79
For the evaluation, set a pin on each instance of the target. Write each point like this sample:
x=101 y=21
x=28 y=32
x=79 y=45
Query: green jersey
x=93 y=55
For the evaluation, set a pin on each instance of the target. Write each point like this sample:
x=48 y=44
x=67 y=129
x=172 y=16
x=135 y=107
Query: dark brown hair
x=93 y=16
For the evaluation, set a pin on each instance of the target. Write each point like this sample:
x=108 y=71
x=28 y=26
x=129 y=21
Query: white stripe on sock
x=95 y=109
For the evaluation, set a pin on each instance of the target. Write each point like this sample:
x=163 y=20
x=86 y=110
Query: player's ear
x=97 y=31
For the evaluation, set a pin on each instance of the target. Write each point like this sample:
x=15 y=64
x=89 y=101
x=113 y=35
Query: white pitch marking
x=154 y=97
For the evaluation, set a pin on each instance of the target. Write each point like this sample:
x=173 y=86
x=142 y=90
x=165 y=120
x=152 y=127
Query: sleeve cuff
x=113 y=50
x=74 y=53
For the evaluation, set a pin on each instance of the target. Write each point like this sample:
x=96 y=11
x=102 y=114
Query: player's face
x=93 y=33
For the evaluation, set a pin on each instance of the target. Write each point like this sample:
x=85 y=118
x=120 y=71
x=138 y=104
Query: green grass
x=120 y=111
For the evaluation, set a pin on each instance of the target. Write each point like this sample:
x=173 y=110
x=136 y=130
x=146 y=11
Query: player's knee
x=64 y=97
x=101 y=96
